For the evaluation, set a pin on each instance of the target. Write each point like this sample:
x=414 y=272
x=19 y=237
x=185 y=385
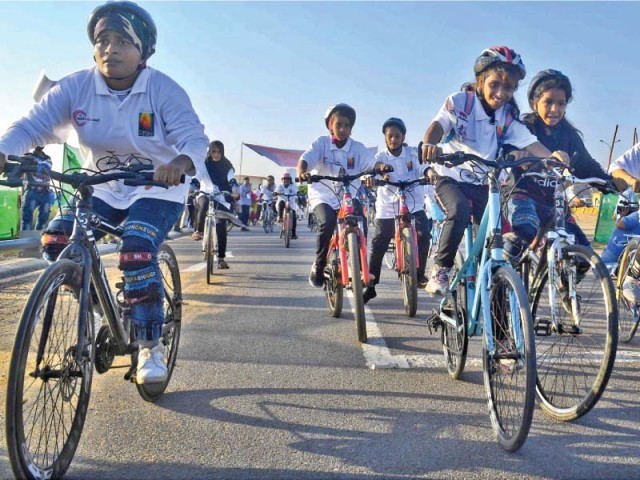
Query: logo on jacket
x=80 y=118
x=351 y=162
x=410 y=165
x=145 y=124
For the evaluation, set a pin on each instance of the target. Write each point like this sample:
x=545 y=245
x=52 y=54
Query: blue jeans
x=33 y=199
x=146 y=225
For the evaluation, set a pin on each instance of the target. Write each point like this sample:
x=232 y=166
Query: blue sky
x=263 y=72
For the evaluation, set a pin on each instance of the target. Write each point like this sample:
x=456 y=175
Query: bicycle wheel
x=356 y=285
x=455 y=340
x=265 y=220
x=332 y=286
x=210 y=249
x=574 y=363
x=48 y=389
x=509 y=370
x=287 y=229
x=628 y=312
x=172 y=320
x=409 y=275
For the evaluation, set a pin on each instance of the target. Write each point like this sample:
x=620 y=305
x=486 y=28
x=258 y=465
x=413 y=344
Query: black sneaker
x=316 y=276
x=369 y=293
x=422 y=282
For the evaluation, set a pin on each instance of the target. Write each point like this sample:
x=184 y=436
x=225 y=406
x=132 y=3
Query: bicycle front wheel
x=509 y=368
x=628 y=312
x=48 y=387
x=170 y=338
x=332 y=286
x=574 y=361
x=356 y=285
x=210 y=246
x=409 y=275
x=287 y=229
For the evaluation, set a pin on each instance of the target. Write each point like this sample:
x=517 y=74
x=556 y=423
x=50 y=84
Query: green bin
x=9 y=213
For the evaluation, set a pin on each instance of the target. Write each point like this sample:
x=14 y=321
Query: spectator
x=245 y=200
x=38 y=193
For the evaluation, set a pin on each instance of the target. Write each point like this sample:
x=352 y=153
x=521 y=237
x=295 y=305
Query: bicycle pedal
x=542 y=328
x=570 y=329
x=434 y=322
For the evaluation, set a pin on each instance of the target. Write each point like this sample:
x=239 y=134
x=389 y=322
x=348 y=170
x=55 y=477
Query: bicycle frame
x=404 y=219
x=348 y=222
x=487 y=245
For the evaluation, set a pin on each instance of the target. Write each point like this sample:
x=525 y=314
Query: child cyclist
x=117 y=107
x=288 y=188
x=477 y=120
x=627 y=168
x=530 y=204
x=334 y=154
x=406 y=166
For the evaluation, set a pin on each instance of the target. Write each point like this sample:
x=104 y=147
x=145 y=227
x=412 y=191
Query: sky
x=265 y=72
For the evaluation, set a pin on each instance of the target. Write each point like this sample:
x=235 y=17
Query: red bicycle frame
x=404 y=220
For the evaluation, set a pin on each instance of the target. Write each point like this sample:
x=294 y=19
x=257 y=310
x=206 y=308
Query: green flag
x=71 y=160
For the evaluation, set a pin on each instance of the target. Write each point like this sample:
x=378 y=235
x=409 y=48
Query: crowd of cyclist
x=483 y=119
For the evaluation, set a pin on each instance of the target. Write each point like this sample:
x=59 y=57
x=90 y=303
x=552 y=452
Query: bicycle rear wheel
x=628 y=312
x=170 y=338
x=509 y=370
x=210 y=249
x=287 y=229
x=332 y=286
x=575 y=363
x=455 y=340
x=409 y=275
x=356 y=285
x=48 y=388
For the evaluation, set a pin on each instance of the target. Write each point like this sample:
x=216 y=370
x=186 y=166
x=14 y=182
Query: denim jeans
x=33 y=199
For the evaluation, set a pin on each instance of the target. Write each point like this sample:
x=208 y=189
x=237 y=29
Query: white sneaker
x=151 y=367
x=631 y=290
x=438 y=283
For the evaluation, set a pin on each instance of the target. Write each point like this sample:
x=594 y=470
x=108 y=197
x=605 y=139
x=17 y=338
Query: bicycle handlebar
x=402 y=184
x=344 y=178
x=458 y=158
x=17 y=166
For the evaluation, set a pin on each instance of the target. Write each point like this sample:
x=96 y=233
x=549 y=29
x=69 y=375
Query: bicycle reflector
x=52 y=244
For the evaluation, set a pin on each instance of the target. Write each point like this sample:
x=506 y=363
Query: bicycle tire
x=265 y=220
x=333 y=288
x=511 y=371
x=555 y=351
x=455 y=344
x=409 y=275
x=287 y=229
x=356 y=285
x=210 y=246
x=53 y=301
x=628 y=312
x=172 y=320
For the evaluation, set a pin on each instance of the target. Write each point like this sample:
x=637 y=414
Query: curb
x=28 y=265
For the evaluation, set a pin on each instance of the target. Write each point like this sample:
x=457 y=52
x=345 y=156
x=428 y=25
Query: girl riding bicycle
x=478 y=120
x=117 y=107
x=530 y=205
x=406 y=166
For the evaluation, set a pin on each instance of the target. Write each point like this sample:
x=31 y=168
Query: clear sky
x=262 y=72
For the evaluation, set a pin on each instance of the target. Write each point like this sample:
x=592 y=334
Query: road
x=268 y=386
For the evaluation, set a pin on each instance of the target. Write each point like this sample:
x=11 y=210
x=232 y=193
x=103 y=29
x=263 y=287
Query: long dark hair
x=533 y=120
x=216 y=144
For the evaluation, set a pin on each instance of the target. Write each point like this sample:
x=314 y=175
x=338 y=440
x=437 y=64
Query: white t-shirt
x=207 y=186
x=629 y=161
x=292 y=189
x=475 y=134
x=324 y=158
x=267 y=193
x=155 y=122
x=406 y=167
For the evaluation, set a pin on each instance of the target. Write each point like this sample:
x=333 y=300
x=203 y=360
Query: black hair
x=512 y=71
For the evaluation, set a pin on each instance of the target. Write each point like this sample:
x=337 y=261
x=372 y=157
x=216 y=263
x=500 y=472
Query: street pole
x=613 y=142
x=240 y=169
x=635 y=136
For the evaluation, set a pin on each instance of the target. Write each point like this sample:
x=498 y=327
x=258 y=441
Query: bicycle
x=56 y=348
x=347 y=265
x=267 y=216
x=628 y=312
x=287 y=220
x=404 y=248
x=312 y=222
x=210 y=237
x=487 y=297
x=568 y=287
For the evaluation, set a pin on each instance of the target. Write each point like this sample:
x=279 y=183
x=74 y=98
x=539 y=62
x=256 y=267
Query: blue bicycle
x=487 y=297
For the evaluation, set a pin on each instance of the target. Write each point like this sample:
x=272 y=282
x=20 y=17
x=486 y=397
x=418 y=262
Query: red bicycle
x=347 y=265
x=404 y=252
x=287 y=218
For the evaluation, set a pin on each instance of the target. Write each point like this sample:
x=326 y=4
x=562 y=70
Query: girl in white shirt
x=477 y=120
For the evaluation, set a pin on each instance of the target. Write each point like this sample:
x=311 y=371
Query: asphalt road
x=267 y=385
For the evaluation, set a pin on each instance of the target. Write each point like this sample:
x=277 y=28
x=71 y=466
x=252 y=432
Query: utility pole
x=613 y=142
x=635 y=136
x=240 y=169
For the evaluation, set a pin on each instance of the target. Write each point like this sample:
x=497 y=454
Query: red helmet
x=499 y=54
